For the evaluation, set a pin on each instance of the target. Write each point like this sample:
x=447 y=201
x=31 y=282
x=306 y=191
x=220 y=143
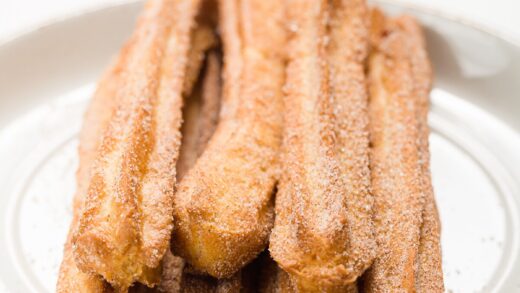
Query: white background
x=17 y=16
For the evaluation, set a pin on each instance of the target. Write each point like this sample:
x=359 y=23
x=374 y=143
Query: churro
x=71 y=278
x=429 y=277
x=323 y=234
x=400 y=80
x=126 y=225
x=223 y=207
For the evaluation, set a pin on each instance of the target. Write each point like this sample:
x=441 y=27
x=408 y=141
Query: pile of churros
x=258 y=146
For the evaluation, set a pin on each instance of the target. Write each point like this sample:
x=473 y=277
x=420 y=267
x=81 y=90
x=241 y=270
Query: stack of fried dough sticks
x=258 y=146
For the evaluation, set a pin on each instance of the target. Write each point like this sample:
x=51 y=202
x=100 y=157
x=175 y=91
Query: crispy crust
x=323 y=235
x=400 y=81
x=125 y=226
x=223 y=205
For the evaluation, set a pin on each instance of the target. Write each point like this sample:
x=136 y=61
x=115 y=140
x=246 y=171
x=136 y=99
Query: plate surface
x=47 y=77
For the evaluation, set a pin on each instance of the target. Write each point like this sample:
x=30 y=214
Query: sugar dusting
x=323 y=234
x=400 y=80
x=124 y=228
x=223 y=206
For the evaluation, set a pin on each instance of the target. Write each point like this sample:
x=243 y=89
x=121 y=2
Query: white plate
x=47 y=76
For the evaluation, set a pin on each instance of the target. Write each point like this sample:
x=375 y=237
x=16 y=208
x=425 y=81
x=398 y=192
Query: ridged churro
x=400 y=80
x=223 y=207
x=126 y=224
x=71 y=278
x=323 y=234
x=429 y=277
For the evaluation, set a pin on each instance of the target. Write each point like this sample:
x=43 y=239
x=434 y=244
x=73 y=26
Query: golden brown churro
x=323 y=235
x=71 y=278
x=125 y=226
x=429 y=277
x=400 y=80
x=223 y=208
x=394 y=161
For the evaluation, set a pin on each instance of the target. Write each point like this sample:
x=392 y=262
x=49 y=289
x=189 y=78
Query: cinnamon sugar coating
x=406 y=219
x=70 y=277
x=125 y=226
x=323 y=235
x=223 y=207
